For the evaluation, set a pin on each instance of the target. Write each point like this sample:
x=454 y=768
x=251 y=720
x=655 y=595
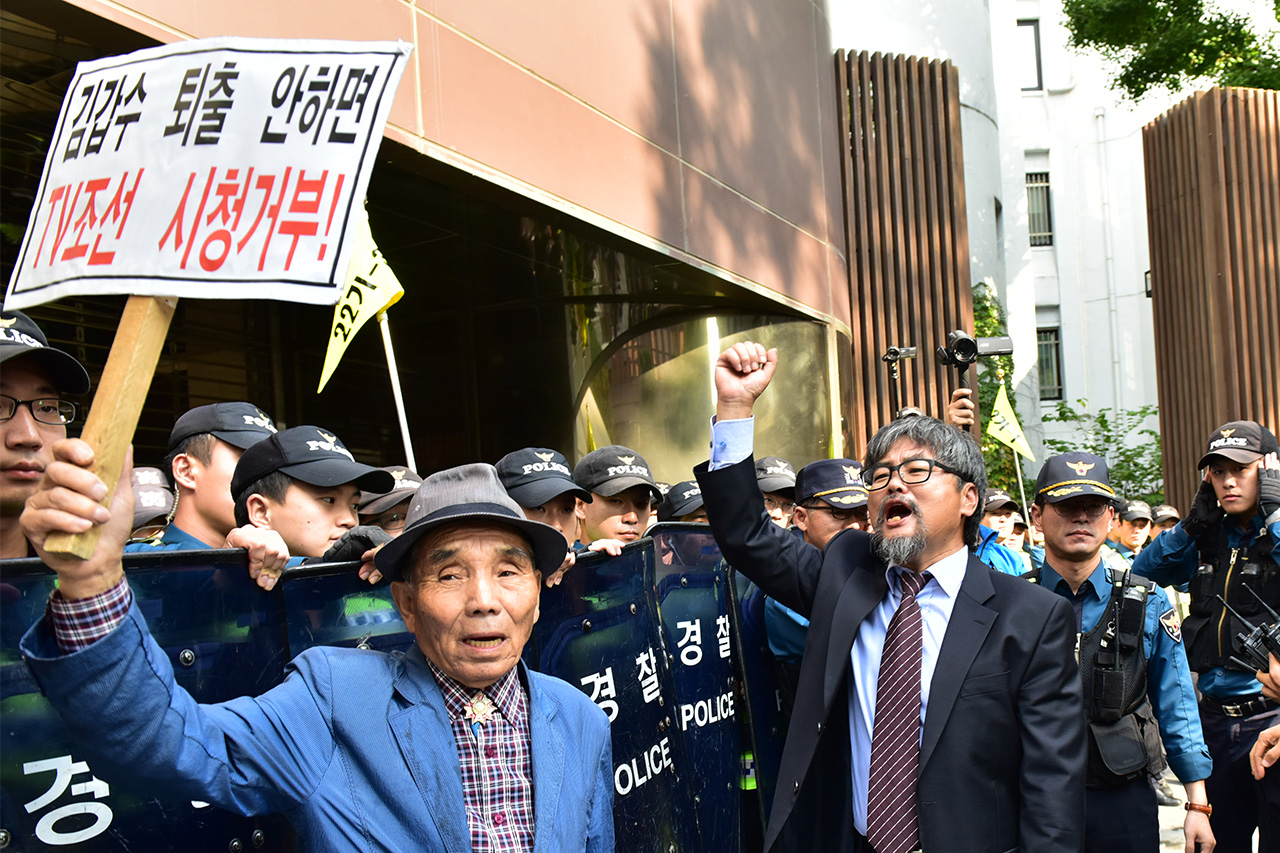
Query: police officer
x=830 y=497
x=1132 y=666
x=1131 y=529
x=1228 y=544
x=776 y=478
x=997 y=525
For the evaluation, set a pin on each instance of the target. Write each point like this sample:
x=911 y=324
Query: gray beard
x=899 y=550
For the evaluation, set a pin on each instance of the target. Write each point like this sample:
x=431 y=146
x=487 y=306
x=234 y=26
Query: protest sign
x=225 y=168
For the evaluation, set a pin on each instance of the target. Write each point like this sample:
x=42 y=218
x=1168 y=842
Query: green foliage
x=1132 y=451
x=1171 y=43
x=989 y=320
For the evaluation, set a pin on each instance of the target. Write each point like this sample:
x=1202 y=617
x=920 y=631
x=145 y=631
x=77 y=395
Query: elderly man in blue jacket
x=452 y=746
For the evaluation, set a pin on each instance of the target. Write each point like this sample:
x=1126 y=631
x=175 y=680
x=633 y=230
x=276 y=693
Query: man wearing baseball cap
x=830 y=498
x=997 y=524
x=388 y=510
x=204 y=446
x=1163 y=519
x=1131 y=528
x=358 y=748
x=683 y=503
x=34 y=413
x=1132 y=661
x=304 y=484
x=622 y=491
x=1228 y=545
x=777 y=481
x=539 y=480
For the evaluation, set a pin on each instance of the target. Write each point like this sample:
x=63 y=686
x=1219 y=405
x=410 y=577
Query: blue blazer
x=353 y=747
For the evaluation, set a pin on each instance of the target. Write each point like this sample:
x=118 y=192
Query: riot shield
x=225 y=638
x=693 y=601
x=599 y=630
x=651 y=636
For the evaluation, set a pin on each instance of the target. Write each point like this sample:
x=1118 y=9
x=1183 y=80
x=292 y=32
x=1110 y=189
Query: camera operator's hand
x=1204 y=513
x=742 y=373
x=960 y=411
x=1269 y=488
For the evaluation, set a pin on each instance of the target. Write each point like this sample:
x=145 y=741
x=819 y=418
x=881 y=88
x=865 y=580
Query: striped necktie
x=895 y=738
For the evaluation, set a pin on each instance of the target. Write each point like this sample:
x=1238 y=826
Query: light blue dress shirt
x=731 y=442
x=936 y=600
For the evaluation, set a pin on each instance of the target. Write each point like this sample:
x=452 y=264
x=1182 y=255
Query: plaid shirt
x=497 y=763
x=79 y=624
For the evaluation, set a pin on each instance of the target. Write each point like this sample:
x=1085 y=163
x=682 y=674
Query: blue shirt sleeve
x=787 y=631
x=731 y=441
x=1170 y=559
x=1172 y=695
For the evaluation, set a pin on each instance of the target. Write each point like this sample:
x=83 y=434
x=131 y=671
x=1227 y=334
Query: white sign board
x=225 y=168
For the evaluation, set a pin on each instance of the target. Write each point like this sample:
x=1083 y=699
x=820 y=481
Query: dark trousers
x=1240 y=803
x=1122 y=819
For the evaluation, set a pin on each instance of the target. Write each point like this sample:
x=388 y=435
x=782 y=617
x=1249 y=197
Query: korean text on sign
x=223 y=168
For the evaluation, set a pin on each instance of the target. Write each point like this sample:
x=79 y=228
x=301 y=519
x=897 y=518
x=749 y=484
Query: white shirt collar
x=948 y=572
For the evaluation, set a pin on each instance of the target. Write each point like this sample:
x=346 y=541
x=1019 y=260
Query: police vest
x=1209 y=629
x=1124 y=740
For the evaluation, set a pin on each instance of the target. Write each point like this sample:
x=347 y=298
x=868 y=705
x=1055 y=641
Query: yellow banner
x=371 y=288
x=1004 y=427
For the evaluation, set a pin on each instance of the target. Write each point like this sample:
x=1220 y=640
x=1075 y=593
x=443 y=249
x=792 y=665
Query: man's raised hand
x=742 y=373
x=67 y=502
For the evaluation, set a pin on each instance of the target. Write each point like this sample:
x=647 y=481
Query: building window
x=1028 y=51
x=1039 y=219
x=1050 y=341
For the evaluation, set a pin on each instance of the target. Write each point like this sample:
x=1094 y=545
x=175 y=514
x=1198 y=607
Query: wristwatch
x=1203 y=808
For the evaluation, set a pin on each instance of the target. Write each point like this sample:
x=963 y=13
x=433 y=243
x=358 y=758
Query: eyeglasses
x=787 y=507
x=394 y=521
x=840 y=515
x=46 y=410
x=912 y=472
x=1093 y=509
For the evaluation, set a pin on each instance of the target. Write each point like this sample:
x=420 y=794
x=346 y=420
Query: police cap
x=837 y=482
x=406 y=481
x=239 y=424
x=535 y=475
x=776 y=475
x=1135 y=511
x=614 y=469
x=311 y=455
x=1073 y=475
x=20 y=336
x=998 y=499
x=682 y=498
x=1239 y=441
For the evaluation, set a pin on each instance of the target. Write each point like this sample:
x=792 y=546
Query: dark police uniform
x=1224 y=560
x=1137 y=685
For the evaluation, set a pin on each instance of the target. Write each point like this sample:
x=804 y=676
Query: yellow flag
x=1004 y=428
x=371 y=288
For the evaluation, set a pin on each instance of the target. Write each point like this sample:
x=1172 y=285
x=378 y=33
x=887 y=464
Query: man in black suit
x=985 y=748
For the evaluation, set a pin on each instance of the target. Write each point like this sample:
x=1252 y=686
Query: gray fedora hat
x=467 y=493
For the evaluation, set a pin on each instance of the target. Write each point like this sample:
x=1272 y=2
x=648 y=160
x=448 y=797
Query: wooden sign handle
x=117 y=404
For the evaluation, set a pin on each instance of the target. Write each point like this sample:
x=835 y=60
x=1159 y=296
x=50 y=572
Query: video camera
x=963 y=349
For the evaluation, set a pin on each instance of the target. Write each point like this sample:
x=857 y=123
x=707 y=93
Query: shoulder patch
x=1172 y=624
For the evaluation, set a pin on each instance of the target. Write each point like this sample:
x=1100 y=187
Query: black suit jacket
x=1002 y=759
